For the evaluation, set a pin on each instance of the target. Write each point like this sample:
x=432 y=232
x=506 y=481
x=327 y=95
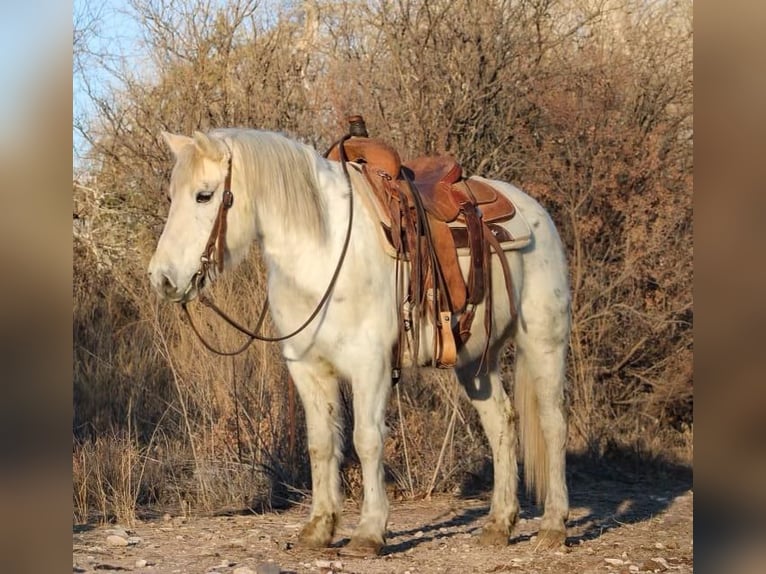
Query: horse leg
x=540 y=378
x=371 y=387
x=496 y=413
x=317 y=386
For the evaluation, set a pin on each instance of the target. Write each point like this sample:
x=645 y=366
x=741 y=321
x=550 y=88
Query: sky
x=115 y=33
x=118 y=33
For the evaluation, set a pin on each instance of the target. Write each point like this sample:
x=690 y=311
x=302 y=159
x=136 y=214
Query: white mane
x=280 y=175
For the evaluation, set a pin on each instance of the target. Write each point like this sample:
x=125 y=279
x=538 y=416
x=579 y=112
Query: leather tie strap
x=216 y=243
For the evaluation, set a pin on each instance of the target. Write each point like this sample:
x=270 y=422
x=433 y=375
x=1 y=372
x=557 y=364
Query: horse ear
x=208 y=146
x=176 y=142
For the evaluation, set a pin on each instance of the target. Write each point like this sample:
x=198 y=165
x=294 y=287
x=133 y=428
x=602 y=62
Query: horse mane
x=281 y=175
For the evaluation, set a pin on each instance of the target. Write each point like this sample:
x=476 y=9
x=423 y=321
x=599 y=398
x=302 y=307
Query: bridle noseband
x=214 y=254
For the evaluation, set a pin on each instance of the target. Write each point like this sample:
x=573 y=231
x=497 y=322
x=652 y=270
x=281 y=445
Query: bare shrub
x=586 y=105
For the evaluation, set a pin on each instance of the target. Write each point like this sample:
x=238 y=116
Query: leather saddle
x=439 y=180
x=428 y=211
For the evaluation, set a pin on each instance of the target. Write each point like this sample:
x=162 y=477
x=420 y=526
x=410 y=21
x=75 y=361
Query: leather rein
x=214 y=255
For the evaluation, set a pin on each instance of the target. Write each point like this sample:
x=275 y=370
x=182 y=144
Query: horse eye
x=204 y=196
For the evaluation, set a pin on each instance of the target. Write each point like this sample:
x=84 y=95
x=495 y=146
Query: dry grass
x=160 y=421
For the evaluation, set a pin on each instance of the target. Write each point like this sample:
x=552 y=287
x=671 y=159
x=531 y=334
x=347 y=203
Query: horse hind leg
x=497 y=417
x=317 y=386
x=539 y=396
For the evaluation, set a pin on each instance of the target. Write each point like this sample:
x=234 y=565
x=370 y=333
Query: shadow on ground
x=616 y=490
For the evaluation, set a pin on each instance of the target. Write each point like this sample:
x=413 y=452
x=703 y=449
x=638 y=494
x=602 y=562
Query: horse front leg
x=318 y=389
x=371 y=387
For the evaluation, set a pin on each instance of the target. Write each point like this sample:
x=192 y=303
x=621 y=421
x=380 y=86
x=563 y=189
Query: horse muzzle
x=168 y=287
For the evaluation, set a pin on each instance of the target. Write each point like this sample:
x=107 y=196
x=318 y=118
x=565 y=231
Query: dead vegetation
x=586 y=104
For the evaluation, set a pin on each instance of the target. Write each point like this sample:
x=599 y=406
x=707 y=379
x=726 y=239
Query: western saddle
x=428 y=211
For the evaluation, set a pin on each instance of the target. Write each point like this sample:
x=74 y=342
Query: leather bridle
x=214 y=254
x=216 y=243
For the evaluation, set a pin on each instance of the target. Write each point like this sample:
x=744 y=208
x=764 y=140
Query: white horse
x=296 y=204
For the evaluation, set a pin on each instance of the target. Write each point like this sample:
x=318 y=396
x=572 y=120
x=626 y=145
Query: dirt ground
x=617 y=525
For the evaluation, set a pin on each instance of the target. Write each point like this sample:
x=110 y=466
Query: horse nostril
x=168 y=287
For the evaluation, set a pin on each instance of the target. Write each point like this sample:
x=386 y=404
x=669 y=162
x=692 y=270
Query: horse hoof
x=550 y=539
x=318 y=532
x=492 y=535
x=363 y=547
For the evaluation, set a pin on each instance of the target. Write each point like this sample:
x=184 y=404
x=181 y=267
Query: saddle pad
x=517 y=227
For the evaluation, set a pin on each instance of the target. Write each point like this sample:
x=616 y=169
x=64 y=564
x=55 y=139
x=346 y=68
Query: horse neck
x=291 y=250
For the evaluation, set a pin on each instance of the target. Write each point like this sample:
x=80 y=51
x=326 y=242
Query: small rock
x=614 y=561
x=418 y=534
x=166 y=517
x=659 y=545
x=654 y=565
x=329 y=565
x=633 y=569
x=244 y=570
x=114 y=540
x=141 y=563
x=133 y=540
x=266 y=568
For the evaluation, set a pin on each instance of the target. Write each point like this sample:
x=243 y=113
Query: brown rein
x=214 y=253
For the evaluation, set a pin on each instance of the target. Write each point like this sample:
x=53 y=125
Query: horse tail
x=533 y=447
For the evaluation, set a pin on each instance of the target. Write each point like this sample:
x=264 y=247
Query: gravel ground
x=619 y=526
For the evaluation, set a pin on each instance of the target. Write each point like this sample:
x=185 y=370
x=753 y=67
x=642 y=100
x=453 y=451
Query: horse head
x=192 y=247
